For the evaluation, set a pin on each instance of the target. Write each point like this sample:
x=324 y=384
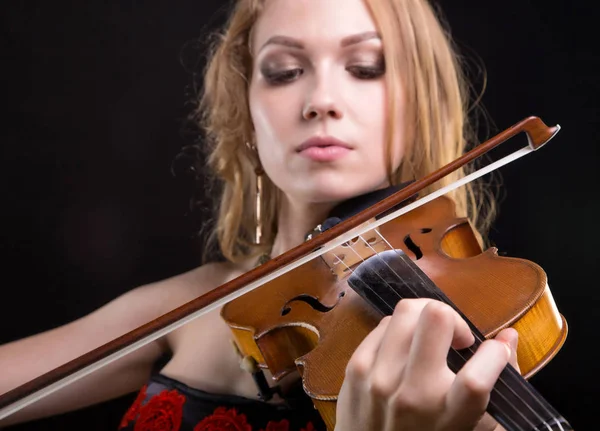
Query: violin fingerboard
x=390 y=276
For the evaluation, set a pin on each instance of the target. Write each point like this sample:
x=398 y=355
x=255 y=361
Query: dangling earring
x=257 y=206
x=258 y=195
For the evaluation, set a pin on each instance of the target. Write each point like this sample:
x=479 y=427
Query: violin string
x=427 y=282
x=340 y=260
x=391 y=308
x=491 y=402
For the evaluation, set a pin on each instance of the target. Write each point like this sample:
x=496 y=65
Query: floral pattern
x=164 y=412
x=224 y=420
x=133 y=411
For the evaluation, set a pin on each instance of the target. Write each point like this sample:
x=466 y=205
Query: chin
x=337 y=191
x=329 y=184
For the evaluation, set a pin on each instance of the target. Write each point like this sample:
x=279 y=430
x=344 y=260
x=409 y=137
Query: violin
x=319 y=300
x=313 y=318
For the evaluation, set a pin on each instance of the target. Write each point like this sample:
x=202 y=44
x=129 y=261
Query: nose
x=321 y=102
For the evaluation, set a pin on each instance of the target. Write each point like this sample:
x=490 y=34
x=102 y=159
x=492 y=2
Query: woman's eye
x=282 y=76
x=366 y=72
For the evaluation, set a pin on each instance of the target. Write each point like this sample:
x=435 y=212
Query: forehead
x=312 y=20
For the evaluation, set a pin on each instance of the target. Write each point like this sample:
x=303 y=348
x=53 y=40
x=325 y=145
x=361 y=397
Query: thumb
x=510 y=337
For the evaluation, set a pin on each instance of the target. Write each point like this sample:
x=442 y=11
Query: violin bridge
x=344 y=257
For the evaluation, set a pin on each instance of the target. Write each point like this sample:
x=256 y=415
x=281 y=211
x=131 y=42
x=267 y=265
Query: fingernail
x=513 y=339
x=508 y=349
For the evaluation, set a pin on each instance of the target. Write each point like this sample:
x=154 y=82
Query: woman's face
x=318 y=99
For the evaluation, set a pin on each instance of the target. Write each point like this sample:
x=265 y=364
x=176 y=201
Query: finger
x=511 y=337
x=378 y=362
x=470 y=392
x=361 y=362
x=395 y=345
x=357 y=373
x=439 y=327
x=488 y=423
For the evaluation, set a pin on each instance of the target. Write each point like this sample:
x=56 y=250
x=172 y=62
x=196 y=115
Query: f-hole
x=412 y=246
x=313 y=302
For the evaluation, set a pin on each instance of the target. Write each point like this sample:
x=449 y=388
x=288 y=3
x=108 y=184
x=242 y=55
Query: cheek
x=271 y=113
x=369 y=112
x=275 y=126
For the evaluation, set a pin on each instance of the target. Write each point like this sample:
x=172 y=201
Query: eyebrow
x=360 y=37
x=347 y=41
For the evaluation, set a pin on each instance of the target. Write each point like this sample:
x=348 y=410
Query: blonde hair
x=417 y=49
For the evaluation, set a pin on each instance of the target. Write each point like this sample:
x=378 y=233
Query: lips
x=323 y=149
x=322 y=142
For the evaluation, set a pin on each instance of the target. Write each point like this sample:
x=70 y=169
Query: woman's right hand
x=398 y=378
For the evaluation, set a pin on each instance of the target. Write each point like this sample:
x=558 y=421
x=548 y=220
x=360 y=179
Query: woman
x=317 y=102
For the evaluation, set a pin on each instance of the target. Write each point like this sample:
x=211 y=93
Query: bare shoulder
x=37 y=354
x=150 y=301
x=179 y=289
x=207 y=277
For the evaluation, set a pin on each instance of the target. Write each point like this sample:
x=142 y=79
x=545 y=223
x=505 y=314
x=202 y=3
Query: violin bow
x=538 y=134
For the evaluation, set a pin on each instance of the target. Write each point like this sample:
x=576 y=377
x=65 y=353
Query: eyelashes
x=279 y=76
x=367 y=72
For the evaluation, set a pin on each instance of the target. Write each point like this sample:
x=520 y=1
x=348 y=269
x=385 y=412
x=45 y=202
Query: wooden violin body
x=311 y=320
x=308 y=309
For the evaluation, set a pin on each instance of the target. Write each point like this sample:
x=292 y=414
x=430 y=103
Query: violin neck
x=514 y=402
x=386 y=278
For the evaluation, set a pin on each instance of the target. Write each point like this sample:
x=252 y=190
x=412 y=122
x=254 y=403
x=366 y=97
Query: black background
x=94 y=101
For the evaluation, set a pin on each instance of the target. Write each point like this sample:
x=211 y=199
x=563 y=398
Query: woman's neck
x=295 y=222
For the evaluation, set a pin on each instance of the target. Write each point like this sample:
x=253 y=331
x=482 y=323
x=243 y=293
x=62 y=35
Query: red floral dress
x=165 y=404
